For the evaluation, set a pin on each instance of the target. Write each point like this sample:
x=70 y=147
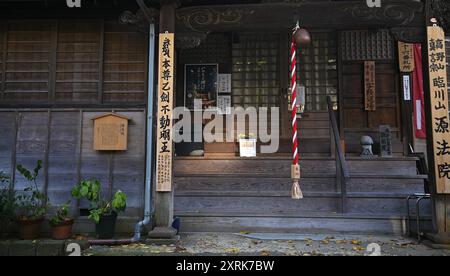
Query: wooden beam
x=277 y=16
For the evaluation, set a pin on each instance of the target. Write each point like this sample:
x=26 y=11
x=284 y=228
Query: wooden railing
x=342 y=171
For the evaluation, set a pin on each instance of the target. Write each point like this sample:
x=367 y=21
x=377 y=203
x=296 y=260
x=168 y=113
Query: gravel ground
x=252 y=244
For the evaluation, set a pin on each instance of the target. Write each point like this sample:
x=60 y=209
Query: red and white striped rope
x=294 y=101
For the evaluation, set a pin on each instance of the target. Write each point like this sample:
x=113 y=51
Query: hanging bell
x=302 y=37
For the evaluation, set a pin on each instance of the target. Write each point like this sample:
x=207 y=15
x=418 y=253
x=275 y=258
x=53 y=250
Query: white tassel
x=296 y=191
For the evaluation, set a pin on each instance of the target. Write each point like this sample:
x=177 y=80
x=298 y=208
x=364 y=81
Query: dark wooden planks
x=125 y=63
x=62 y=167
x=27 y=61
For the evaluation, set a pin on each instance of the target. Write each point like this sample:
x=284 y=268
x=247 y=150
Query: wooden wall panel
x=28 y=57
x=7 y=141
x=77 y=61
x=64 y=138
x=3 y=48
x=125 y=62
x=31 y=144
x=357 y=121
x=63 y=150
x=72 y=61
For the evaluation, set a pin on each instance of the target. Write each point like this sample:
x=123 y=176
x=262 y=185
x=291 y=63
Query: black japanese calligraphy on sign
x=370 y=85
x=439 y=108
x=406 y=57
x=165 y=112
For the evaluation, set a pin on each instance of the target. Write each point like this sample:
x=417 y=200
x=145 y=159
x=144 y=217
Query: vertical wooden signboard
x=406 y=57
x=164 y=150
x=439 y=108
x=370 y=86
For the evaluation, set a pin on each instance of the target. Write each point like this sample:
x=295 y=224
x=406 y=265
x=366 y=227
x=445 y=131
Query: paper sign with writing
x=224 y=83
x=406 y=88
x=439 y=108
x=369 y=86
x=406 y=57
x=164 y=146
x=224 y=105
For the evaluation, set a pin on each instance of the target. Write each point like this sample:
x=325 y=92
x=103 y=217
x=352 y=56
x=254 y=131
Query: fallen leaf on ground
x=264 y=253
x=232 y=250
x=358 y=248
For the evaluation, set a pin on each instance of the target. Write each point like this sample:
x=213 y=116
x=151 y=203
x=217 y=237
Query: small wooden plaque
x=370 y=86
x=110 y=132
x=406 y=57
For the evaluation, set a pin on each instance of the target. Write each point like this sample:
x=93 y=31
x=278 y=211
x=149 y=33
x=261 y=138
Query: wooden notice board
x=406 y=57
x=110 y=132
x=164 y=150
x=439 y=108
x=370 y=86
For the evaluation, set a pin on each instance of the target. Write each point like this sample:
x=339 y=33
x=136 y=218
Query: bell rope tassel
x=296 y=191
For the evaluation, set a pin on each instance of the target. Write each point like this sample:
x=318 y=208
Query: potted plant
x=62 y=223
x=102 y=212
x=32 y=205
x=7 y=203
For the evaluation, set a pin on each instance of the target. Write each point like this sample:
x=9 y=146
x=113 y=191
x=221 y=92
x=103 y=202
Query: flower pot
x=62 y=231
x=106 y=227
x=29 y=229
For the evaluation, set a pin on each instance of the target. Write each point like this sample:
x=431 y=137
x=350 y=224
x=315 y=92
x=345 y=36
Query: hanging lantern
x=302 y=37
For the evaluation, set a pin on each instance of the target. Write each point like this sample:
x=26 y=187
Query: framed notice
x=439 y=108
x=201 y=85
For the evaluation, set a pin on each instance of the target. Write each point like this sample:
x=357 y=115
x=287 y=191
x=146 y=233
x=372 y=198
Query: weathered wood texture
x=70 y=155
x=356 y=120
x=72 y=61
x=233 y=190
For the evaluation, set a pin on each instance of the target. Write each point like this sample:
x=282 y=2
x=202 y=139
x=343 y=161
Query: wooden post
x=164 y=195
x=441 y=202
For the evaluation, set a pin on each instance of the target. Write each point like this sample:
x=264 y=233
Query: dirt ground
x=254 y=244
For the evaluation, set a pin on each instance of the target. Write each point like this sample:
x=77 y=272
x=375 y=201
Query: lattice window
x=27 y=61
x=77 y=66
x=255 y=70
x=317 y=70
x=367 y=45
x=125 y=64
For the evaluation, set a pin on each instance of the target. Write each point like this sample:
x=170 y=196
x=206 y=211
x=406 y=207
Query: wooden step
x=326 y=223
x=309 y=183
x=319 y=203
x=281 y=167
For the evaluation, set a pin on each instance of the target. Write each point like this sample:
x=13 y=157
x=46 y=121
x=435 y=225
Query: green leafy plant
x=90 y=190
x=7 y=201
x=32 y=204
x=61 y=216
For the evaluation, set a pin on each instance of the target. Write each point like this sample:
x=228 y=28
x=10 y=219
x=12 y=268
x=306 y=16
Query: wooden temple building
x=61 y=67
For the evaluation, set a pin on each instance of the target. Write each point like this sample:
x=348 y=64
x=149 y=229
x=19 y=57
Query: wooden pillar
x=163 y=216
